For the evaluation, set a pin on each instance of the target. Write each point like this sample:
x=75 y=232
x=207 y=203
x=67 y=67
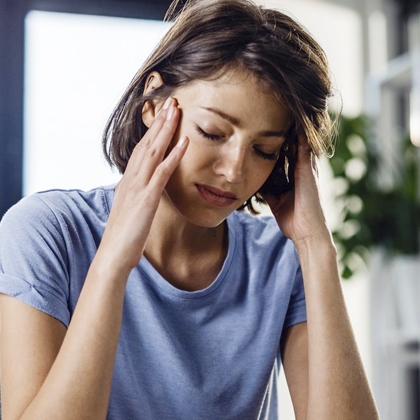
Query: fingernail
x=171 y=112
x=167 y=103
x=181 y=141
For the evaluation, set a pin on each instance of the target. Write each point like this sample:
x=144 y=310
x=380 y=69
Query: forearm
x=75 y=381
x=338 y=387
x=79 y=382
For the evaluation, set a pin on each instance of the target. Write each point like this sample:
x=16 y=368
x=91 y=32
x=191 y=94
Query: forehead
x=236 y=93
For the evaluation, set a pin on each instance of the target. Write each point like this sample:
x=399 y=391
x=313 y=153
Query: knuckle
x=163 y=171
x=172 y=122
x=153 y=152
x=144 y=142
x=162 y=114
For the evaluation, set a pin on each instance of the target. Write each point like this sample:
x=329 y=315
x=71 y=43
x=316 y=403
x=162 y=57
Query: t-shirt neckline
x=150 y=274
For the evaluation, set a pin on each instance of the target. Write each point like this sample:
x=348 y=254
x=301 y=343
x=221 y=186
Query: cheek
x=200 y=152
x=196 y=150
x=195 y=161
x=259 y=177
x=259 y=167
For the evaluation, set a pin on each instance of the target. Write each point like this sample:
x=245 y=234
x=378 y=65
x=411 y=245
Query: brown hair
x=212 y=36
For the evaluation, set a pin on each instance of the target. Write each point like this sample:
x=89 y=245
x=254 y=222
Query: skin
x=70 y=375
x=237 y=161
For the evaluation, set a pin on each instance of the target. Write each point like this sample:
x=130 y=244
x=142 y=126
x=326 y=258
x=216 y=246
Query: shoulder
x=58 y=204
x=56 y=217
x=258 y=228
x=77 y=201
x=261 y=238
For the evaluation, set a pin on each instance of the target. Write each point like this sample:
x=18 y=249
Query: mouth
x=215 y=196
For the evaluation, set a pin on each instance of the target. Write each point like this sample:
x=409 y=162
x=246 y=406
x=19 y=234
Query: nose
x=231 y=163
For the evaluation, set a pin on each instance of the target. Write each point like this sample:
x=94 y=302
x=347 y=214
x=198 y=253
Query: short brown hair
x=212 y=36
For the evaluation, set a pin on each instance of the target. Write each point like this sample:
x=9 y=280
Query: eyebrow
x=236 y=121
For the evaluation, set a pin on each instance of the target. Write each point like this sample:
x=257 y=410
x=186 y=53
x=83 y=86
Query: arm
x=322 y=365
x=51 y=373
x=335 y=370
x=295 y=364
x=323 y=355
x=48 y=373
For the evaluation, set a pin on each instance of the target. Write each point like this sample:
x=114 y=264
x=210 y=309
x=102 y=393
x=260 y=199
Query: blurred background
x=65 y=63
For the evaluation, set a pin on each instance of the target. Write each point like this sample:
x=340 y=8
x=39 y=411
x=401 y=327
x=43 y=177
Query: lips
x=216 y=197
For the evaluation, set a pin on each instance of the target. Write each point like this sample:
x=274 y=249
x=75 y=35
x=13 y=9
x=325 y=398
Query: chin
x=205 y=219
x=203 y=216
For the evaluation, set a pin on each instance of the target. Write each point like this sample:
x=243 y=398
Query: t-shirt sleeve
x=296 y=312
x=34 y=258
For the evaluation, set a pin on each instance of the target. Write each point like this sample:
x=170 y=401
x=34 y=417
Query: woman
x=156 y=299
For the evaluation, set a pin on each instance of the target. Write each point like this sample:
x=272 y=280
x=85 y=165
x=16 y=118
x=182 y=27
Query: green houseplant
x=372 y=216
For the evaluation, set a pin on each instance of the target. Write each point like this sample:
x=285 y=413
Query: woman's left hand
x=299 y=212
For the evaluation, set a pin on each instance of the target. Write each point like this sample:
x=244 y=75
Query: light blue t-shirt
x=212 y=354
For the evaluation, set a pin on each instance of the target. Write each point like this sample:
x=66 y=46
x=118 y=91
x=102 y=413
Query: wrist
x=107 y=268
x=320 y=244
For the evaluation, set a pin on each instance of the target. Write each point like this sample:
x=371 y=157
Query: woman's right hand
x=138 y=193
x=70 y=377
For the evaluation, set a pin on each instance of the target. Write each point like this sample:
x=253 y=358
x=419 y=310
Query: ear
x=150 y=108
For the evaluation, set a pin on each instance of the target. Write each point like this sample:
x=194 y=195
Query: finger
x=308 y=161
x=137 y=155
x=158 y=149
x=314 y=164
x=157 y=124
x=166 y=168
x=304 y=148
x=146 y=158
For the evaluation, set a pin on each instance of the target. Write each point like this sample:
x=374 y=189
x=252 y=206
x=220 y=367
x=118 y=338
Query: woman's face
x=236 y=130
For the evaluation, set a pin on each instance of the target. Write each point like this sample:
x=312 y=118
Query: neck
x=186 y=255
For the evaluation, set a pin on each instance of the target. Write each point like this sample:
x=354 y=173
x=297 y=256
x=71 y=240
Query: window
x=76 y=69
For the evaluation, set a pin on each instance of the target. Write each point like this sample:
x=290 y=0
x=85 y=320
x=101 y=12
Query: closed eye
x=218 y=137
x=267 y=156
x=209 y=136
